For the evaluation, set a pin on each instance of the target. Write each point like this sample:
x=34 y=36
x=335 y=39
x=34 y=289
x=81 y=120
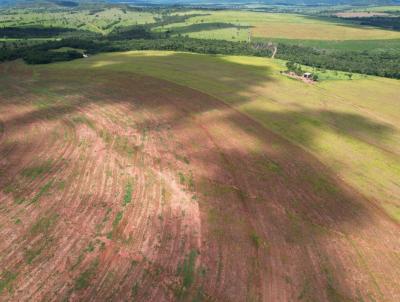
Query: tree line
x=141 y=37
x=386 y=22
x=385 y=64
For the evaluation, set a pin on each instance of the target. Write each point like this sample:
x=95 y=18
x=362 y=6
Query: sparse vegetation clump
x=187 y=272
x=117 y=219
x=35 y=171
x=46 y=187
x=43 y=224
x=6 y=281
x=31 y=253
x=81 y=119
x=295 y=68
x=256 y=240
x=84 y=279
x=128 y=193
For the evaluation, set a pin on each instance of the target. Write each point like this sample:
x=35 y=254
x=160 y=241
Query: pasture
x=102 y=21
x=272 y=25
x=173 y=176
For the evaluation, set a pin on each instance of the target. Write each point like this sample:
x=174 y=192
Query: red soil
x=260 y=219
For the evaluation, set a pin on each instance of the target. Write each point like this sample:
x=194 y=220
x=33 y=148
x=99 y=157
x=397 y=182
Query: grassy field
x=351 y=125
x=149 y=175
x=103 y=21
x=287 y=26
x=326 y=33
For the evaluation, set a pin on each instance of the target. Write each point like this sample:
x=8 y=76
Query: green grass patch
x=120 y=144
x=37 y=170
x=42 y=191
x=117 y=219
x=106 y=216
x=19 y=200
x=61 y=185
x=321 y=184
x=6 y=281
x=307 y=290
x=32 y=253
x=255 y=239
x=78 y=261
x=189 y=269
x=83 y=281
x=188 y=274
x=333 y=75
x=44 y=104
x=182 y=159
x=181 y=178
x=393 y=210
x=135 y=290
x=90 y=247
x=10 y=188
x=128 y=193
x=123 y=146
x=106 y=136
x=187 y=181
x=43 y=225
x=272 y=167
x=81 y=119
x=115 y=224
x=66 y=49
x=333 y=294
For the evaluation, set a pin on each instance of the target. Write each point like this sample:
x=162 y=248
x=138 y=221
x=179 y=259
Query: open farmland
x=99 y=21
x=163 y=176
x=316 y=117
x=269 y=25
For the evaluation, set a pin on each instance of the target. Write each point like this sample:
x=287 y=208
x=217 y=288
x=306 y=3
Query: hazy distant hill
x=49 y=3
x=288 y=2
x=209 y=2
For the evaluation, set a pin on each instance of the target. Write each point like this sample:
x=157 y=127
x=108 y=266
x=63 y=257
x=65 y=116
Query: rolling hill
x=166 y=176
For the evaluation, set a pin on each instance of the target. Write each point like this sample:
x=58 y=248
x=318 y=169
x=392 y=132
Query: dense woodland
x=392 y=23
x=32 y=32
x=386 y=64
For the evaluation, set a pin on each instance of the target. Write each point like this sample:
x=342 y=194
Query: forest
x=386 y=64
x=389 y=22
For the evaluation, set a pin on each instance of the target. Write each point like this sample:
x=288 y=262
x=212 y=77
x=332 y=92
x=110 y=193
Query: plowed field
x=125 y=187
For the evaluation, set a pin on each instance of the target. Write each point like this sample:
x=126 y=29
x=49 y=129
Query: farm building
x=308 y=75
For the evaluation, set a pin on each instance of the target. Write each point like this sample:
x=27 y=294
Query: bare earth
x=220 y=209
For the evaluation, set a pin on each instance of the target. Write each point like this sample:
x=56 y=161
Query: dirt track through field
x=124 y=187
